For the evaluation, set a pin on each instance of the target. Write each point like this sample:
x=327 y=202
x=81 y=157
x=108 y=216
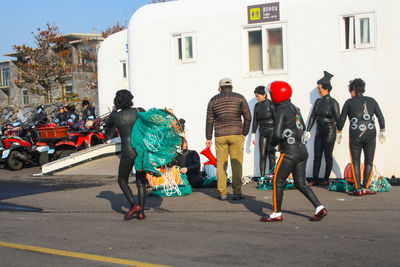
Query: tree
x=113 y=29
x=44 y=68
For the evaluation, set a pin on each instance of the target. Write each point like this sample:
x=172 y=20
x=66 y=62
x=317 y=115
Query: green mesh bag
x=380 y=185
x=156 y=136
x=181 y=190
x=341 y=185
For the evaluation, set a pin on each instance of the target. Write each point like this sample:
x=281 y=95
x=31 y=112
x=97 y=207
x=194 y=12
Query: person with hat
x=263 y=118
x=62 y=116
x=361 y=111
x=289 y=135
x=224 y=115
x=326 y=112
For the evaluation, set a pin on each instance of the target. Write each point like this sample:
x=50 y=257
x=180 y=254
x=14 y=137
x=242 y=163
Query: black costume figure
x=361 y=111
x=61 y=118
x=124 y=120
x=288 y=133
x=264 y=119
x=73 y=117
x=326 y=112
x=88 y=113
x=191 y=160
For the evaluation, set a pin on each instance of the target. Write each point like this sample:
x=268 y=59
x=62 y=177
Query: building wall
x=112 y=53
x=313 y=45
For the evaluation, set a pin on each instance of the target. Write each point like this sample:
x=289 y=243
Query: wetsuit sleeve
x=109 y=126
x=278 y=128
x=312 y=117
x=210 y=121
x=379 y=115
x=336 y=110
x=246 y=116
x=255 y=121
x=193 y=162
x=343 y=116
x=84 y=114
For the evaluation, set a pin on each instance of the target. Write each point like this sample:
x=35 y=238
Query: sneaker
x=319 y=216
x=268 y=219
x=135 y=208
x=368 y=192
x=313 y=183
x=237 y=197
x=222 y=197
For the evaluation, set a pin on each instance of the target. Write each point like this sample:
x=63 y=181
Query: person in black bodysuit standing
x=263 y=117
x=361 y=110
x=326 y=112
x=123 y=118
x=288 y=133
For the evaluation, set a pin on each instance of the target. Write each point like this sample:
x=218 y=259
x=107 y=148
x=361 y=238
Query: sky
x=20 y=18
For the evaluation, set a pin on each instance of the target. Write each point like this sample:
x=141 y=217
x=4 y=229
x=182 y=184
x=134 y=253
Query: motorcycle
x=20 y=147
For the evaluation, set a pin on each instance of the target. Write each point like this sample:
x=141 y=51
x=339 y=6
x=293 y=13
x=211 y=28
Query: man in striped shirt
x=224 y=115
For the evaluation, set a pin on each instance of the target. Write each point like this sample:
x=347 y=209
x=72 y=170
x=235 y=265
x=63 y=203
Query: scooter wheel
x=13 y=163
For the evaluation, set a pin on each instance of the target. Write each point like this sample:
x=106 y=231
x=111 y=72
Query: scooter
x=18 y=151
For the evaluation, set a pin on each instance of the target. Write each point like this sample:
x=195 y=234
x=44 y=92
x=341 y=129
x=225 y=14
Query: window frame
x=180 y=51
x=355 y=31
x=265 y=60
x=25 y=96
x=4 y=83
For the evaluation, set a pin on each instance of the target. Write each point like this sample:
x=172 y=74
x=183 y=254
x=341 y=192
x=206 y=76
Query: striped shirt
x=225 y=112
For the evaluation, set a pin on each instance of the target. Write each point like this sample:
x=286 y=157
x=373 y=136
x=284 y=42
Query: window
x=25 y=96
x=124 y=70
x=68 y=89
x=184 y=48
x=5 y=77
x=265 y=49
x=358 y=31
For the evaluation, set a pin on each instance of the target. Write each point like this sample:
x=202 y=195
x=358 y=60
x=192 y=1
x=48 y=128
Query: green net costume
x=157 y=137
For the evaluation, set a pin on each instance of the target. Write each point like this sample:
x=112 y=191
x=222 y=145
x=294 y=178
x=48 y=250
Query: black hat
x=326 y=79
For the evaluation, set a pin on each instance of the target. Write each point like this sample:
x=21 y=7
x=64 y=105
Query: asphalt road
x=84 y=214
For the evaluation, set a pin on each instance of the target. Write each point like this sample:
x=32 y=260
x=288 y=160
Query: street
x=77 y=220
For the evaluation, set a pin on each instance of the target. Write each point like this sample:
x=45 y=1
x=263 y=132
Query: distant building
x=81 y=81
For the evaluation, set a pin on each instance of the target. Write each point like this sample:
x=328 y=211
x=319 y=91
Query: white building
x=178 y=51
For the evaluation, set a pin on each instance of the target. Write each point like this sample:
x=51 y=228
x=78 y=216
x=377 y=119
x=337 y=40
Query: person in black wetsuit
x=361 y=111
x=263 y=117
x=73 y=117
x=62 y=116
x=189 y=161
x=88 y=112
x=123 y=118
x=326 y=112
x=288 y=133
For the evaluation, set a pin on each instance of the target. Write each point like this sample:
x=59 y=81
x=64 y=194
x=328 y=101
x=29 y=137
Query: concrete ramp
x=84 y=156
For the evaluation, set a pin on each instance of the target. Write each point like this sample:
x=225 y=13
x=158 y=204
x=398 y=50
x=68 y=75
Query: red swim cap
x=280 y=91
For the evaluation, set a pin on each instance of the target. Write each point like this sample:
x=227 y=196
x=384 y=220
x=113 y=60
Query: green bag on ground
x=182 y=189
x=380 y=185
x=341 y=185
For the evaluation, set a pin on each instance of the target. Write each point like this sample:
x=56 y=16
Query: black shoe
x=237 y=197
x=222 y=197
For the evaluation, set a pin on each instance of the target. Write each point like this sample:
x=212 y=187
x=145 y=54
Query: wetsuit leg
x=328 y=149
x=318 y=148
x=299 y=177
x=328 y=145
x=125 y=167
x=271 y=153
x=355 y=154
x=369 y=153
x=141 y=186
x=283 y=168
x=263 y=145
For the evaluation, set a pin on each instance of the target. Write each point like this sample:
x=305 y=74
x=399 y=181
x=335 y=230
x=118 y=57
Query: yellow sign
x=255 y=14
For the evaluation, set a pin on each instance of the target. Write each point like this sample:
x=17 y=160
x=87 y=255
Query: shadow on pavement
x=11 y=189
x=120 y=204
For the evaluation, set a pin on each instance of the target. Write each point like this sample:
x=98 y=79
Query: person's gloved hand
x=253 y=141
x=338 y=137
x=382 y=136
x=307 y=136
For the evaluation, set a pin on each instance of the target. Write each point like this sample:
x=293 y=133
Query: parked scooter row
x=30 y=141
